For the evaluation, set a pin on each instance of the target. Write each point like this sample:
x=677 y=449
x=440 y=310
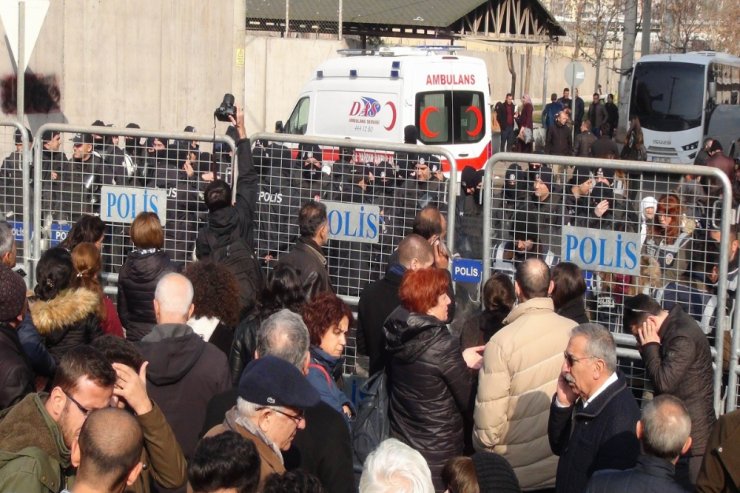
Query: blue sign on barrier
x=467 y=270
x=17 y=227
x=59 y=232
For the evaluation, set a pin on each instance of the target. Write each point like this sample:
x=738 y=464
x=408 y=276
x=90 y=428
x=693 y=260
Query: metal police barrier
x=84 y=170
x=15 y=188
x=632 y=227
x=372 y=191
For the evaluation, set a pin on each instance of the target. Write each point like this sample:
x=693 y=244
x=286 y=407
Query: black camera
x=226 y=110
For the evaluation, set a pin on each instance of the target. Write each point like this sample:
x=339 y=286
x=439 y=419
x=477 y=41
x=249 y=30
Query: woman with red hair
x=670 y=240
x=328 y=320
x=429 y=384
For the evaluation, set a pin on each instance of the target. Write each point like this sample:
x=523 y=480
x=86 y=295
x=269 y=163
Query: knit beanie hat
x=12 y=294
x=494 y=474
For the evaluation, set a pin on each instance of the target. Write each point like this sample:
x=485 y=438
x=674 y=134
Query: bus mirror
x=279 y=127
x=713 y=90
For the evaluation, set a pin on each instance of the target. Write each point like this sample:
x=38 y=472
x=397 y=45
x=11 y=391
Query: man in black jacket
x=16 y=377
x=233 y=224
x=380 y=298
x=307 y=256
x=559 y=139
x=663 y=431
x=678 y=361
x=184 y=371
x=593 y=414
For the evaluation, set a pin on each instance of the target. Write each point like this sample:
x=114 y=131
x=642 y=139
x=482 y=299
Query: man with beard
x=37 y=434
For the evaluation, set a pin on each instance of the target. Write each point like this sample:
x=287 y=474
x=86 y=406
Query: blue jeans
x=507 y=139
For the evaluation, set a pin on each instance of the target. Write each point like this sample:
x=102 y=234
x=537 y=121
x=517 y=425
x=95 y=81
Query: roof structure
x=491 y=20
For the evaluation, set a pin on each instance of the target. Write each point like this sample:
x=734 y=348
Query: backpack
x=241 y=261
x=372 y=425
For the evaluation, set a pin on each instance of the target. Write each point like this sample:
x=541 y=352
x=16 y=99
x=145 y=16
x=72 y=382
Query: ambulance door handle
x=463 y=155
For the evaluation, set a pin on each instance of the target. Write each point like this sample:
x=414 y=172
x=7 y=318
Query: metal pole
x=646 y=27
x=287 y=18
x=21 y=74
x=544 y=77
x=339 y=24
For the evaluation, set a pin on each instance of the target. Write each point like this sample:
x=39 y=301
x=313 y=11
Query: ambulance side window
x=298 y=121
x=433 y=117
x=468 y=117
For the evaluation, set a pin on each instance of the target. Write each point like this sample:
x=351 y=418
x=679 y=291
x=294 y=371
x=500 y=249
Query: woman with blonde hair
x=87 y=263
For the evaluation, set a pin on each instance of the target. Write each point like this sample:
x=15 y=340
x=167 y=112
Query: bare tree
x=684 y=24
x=597 y=24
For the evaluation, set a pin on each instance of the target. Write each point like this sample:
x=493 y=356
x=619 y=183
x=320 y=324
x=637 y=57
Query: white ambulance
x=374 y=96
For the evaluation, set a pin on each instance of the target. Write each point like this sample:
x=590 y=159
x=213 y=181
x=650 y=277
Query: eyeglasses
x=572 y=360
x=297 y=418
x=82 y=408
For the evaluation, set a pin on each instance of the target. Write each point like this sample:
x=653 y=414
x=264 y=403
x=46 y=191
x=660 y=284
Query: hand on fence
x=601 y=208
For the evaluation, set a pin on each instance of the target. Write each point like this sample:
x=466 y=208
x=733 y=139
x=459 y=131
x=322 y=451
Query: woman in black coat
x=569 y=290
x=139 y=275
x=283 y=289
x=430 y=388
x=64 y=317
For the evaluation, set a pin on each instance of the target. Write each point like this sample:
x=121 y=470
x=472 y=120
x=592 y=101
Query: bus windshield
x=668 y=96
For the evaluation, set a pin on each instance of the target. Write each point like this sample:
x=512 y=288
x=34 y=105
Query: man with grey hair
x=394 y=467
x=322 y=446
x=593 y=415
x=663 y=431
x=521 y=367
x=184 y=371
x=8 y=247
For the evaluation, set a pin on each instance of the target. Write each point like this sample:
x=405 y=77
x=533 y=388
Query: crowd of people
x=220 y=376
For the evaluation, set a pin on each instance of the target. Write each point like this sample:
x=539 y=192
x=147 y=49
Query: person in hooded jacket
x=429 y=389
x=184 y=371
x=64 y=317
x=469 y=222
x=139 y=275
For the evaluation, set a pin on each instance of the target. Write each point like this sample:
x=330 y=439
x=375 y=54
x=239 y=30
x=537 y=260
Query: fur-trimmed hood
x=68 y=308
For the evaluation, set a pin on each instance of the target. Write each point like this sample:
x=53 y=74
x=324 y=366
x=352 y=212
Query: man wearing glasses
x=593 y=415
x=36 y=435
x=272 y=397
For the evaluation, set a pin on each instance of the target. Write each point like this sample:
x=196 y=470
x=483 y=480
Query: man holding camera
x=230 y=226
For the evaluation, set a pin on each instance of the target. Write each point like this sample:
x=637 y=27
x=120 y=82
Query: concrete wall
x=163 y=64
x=279 y=69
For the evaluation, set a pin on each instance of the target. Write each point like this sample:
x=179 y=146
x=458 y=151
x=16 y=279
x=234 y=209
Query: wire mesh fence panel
x=630 y=232
x=314 y=18
x=102 y=174
x=13 y=185
x=372 y=196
